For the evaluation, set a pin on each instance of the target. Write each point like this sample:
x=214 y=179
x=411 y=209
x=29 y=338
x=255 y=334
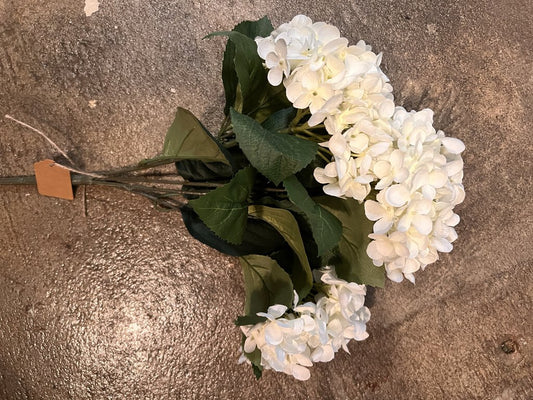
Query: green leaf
x=326 y=228
x=279 y=120
x=225 y=209
x=251 y=29
x=249 y=320
x=262 y=27
x=229 y=76
x=275 y=155
x=353 y=264
x=285 y=223
x=259 y=237
x=258 y=371
x=200 y=171
x=272 y=100
x=249 y=68
x=306 y=176
x=187 y=139
x=265 y=284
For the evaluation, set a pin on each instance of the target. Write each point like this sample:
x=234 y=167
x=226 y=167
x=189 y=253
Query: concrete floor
x=123 y=304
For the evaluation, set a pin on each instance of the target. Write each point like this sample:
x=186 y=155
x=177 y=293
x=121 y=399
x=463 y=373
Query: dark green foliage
x=352 y=263
x=265 y=283
x=259 y=237
x=279 y=120
x=285 y=223
x=187 y=139
x=258 y=371
x=275 y=155
x=251 y=29
x=326 y=228
x=249 y=320
x=248 y=68
x=225 y=209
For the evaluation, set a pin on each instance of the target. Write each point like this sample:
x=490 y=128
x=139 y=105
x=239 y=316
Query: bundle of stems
x=166 y=191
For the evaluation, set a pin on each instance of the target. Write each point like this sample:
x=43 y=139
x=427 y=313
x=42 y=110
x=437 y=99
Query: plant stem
x=128 y=183
x=78 y=179
x=313 y=138
x=147 y=179
x=224 y=126
x=322 y=156
x=228 y=133
x=299 y=115
x=230 y=144
x=18 y=180
x=140 y=189
x=143 y=165
x=301 y=128
x=322 y=138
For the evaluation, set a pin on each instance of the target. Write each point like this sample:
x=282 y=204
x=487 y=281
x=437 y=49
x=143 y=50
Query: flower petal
x=277 y=310
x=453 y=145
x=337 y=144
x=423 y=224
x=273 y=334
x=249 y=345
x=383 y=225
x=374 y=210
x=397 y=195
x=301 y=373
x=275 y=76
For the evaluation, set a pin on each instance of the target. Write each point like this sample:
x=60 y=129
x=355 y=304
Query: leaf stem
x=301 y=128
x=299 y=115
x=128 y=183
x=322 y=156
x=18 y=180
x=224 y=125
x=230 y=144
x=143 y=165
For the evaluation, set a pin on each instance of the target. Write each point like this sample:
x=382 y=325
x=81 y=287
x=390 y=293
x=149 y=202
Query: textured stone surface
x=124 y=304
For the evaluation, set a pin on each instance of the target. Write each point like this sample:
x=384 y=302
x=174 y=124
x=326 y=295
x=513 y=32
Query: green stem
x=321 y=138
x=230 y=144
x=228 y=133
x=299 y=115
x=145 y=179
x=301 y=128
x=140 y=189
x=143 y=165
x=77 y=179
x=326 y=151
x=127 y=183
x=224 y=126
x=312 y=138
x=307 y=138
x=322 y=156
x=18 y=180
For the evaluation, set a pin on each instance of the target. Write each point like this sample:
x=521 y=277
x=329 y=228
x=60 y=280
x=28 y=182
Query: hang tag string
x=42 y=135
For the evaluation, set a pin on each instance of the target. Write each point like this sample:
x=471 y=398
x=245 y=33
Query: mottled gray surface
x=124 y=304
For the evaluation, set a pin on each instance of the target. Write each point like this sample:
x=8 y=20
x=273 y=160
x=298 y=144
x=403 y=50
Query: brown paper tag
x=53 y=180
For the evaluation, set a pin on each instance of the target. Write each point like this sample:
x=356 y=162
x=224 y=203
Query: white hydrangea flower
x=417 y=170
x=344 y=87
x=355 y=154
x=276 y=62
x=307 y=88
x=313 y=332
x=422 y=182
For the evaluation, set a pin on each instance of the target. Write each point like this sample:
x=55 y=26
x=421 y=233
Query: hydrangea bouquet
x=317 y=181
